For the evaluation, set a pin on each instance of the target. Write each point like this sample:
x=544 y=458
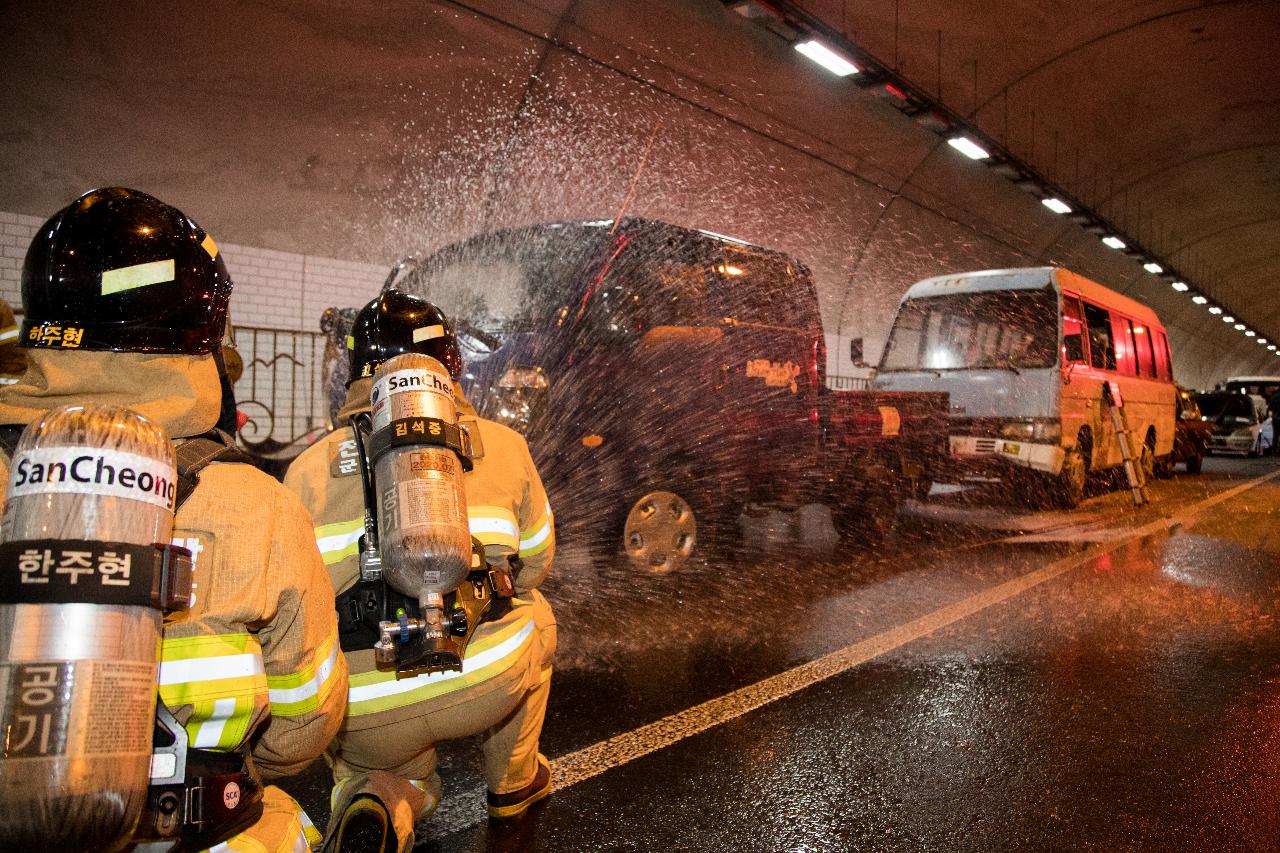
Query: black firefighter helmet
x=398 y=322
x=122 y=271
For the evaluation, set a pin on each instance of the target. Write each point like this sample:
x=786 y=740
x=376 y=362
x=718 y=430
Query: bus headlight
x=1033 y=429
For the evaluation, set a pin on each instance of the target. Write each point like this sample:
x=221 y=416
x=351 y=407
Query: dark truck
x=666 y=378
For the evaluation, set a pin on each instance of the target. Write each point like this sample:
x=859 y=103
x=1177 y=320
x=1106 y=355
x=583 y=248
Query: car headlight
x=1037 y=429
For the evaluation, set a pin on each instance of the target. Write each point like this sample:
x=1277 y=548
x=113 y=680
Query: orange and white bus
x=1025 y=355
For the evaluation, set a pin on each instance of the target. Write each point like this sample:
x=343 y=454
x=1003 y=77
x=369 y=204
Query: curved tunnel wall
x=420 y=126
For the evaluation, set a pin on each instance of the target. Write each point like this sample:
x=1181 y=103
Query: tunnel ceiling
x=1163 y=115
x=280 y=121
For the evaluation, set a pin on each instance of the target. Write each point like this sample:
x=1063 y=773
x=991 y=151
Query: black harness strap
x=197 y=453
x=9 y=435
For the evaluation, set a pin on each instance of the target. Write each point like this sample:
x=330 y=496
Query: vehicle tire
x=1072 y=479
x=1163 y=468
x=1194 y=462
x=920 y=488
x=670 y=527
x=1147 y=459
x=865 y=509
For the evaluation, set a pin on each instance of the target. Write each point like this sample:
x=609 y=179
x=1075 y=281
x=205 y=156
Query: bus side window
x=1124 y=345
x=1102 y=351
x=1072 y=331
x=1142 y=348
x=1164 y=358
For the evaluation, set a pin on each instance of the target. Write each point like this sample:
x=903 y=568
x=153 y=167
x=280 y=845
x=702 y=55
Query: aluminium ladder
x=1124 y=434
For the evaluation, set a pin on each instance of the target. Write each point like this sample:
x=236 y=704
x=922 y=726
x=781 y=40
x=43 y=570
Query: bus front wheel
x=1072 y=478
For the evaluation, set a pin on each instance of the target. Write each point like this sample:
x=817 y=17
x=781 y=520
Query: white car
x=1240 y=422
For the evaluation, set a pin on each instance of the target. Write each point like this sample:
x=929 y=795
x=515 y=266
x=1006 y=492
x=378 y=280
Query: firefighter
x=125 y=302
x=12 y=362
x=384 y=758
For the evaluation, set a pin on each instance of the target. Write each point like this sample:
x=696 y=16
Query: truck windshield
x=1011 y=329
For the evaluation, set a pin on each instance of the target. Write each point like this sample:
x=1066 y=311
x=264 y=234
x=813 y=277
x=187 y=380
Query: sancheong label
x=415 y=382
x=92 y=470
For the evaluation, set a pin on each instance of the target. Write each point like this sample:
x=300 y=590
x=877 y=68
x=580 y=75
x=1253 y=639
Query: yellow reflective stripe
x=302 y=692
x=220 y=724
x=371 y=692
x=537 y=537
x=494 y=525
x=137 y=275
x=339 y=540
x=206 y=668
x=537 y=541
x=309 y=831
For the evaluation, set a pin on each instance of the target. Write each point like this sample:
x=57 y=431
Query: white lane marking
x=575 y=767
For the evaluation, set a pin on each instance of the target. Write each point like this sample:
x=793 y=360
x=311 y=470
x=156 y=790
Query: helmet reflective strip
x=209 y=246
x=351 y=342
x=427 y=333
x=138 y=275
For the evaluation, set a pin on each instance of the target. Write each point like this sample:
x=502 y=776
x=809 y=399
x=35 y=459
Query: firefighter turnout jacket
x=393 y=723
x=259 y=644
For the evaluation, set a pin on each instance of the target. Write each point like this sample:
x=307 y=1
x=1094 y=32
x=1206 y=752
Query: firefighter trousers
x=506 y=709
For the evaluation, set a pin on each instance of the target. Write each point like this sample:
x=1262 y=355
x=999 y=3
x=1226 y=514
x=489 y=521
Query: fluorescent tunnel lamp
x=1057 y=205
x=1214 y=309
x=1239 y=327
x=827 y=58
x=1180 y=286
x=1153 y=268
x=1199 y=300
x=968 y=147
x=1228 y=319
x=1249 y=333
x=1113 y=241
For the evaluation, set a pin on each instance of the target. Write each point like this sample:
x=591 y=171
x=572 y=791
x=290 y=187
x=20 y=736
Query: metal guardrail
x=281 y=389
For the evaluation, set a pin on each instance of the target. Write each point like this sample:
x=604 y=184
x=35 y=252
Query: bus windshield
x=1001 y=329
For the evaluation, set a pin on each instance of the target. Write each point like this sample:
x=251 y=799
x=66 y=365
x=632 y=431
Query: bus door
x=1079 y=386
x=1102 y=367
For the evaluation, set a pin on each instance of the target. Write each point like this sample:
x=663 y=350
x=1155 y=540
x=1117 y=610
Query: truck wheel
x=1164 y=467
x=1072 y=479
x=1195 y=461
x=671 y=526
x=865 y=512
x=920 y=488
x=659 y=532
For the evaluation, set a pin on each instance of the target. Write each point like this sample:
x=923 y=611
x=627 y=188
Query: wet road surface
x=992 y=679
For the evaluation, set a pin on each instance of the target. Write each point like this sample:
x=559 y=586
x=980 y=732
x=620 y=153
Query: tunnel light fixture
x=1239 y=327
x=1180 y=286
x=1199 y=300
x=827 y=58
x=1113 y=241
x=1249 y=333
x=1228 y=319
x=1262 y=340
x=968 y=148
x=1153 y=268
x=1057 y=205
x=1214 y=309
x=1272 y=347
